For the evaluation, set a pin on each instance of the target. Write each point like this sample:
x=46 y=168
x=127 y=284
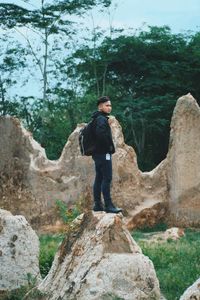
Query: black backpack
x=87 y=139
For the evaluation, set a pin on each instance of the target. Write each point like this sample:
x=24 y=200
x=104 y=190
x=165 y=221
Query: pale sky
x=178 y=14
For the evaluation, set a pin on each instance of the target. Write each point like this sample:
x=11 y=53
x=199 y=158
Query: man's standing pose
x=103 y=157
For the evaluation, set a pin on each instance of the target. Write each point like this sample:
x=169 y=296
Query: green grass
x=177 y=263
x=48 y=247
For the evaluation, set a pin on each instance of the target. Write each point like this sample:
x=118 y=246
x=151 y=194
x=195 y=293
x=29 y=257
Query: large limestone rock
x=183 y=171
x=30 y=183
x=172 y=189
x=193 y=292
x=19 y=252
x=152 y=206
x=98 y=260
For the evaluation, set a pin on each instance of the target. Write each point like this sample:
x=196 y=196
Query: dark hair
x=103 y=99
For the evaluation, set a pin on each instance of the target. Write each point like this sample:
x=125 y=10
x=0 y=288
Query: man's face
x=105 y=107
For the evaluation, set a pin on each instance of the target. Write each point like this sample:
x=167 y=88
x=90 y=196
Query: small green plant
x=67 y=214
x=48 y=247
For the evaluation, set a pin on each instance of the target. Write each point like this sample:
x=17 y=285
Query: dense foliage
x=144 y=74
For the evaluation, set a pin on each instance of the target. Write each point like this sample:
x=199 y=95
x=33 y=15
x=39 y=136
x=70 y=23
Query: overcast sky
x=178 y=14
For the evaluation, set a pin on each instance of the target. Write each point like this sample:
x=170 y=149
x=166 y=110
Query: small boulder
x=19 y=252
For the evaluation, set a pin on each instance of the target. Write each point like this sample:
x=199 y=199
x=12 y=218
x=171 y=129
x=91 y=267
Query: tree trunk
x=3 y=102
x=45 y=56
x=45 y=66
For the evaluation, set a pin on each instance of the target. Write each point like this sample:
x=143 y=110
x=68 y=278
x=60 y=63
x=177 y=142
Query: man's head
x=104 y=104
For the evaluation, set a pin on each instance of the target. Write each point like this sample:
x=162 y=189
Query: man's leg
x=106 y=168
x=97 y=186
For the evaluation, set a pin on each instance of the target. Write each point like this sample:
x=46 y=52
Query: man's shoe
x=98 y=207
x=113 y=209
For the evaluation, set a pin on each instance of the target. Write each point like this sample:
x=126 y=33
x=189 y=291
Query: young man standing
x=103 y=157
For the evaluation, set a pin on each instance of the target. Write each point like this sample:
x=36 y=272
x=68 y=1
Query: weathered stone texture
x=19 y=252
x=100 y=260
x=193 y=292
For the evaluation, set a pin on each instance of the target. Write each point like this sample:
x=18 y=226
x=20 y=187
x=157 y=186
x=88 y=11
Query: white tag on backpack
x=107 y=156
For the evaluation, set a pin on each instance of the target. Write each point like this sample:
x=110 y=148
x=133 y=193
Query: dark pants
x=103 y=178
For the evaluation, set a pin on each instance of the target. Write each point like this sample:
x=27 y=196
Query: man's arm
x=102 y=131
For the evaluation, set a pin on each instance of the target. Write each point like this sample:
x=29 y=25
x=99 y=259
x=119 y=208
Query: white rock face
x=100 y=260
x=193 y=292
x=19 y=251
x=183 y=158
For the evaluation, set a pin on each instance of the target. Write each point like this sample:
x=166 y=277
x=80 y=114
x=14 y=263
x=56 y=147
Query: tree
x=12 y=62
x=49 y=20
x=146 y=73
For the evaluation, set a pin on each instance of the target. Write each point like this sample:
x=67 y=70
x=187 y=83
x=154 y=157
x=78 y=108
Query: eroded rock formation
x=30 y=184
x=98 y=260
x=19 y=252
x=183 y=171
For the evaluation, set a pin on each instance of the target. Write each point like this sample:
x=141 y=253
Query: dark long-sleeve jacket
x=103 y=134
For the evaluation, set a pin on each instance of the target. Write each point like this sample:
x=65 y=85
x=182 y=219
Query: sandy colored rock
x=31 y=184
x=19 y=252
x=152 y=207
x=174 y=184
x=193 y=292
x=183 y=171
x=173 y=233
x=98 y=260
